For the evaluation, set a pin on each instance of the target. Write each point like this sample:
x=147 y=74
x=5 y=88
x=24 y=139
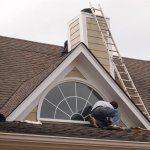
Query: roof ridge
x=136 y=59
x=24 y=40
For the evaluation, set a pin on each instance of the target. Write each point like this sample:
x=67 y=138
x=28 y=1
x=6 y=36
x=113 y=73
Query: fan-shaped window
x=69 y=101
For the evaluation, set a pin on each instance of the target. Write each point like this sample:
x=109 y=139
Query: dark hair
x=114 y=104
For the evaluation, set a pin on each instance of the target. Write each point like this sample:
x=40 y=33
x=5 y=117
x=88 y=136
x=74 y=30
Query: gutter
x=27 y=140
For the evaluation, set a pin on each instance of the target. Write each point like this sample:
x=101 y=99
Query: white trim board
x=42 y=141
x=97 y=76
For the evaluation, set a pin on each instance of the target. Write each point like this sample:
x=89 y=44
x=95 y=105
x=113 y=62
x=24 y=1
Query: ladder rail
x=103 y=38
x=106 y=43
x=120 y=59
x=133 y=85
x=109 y=30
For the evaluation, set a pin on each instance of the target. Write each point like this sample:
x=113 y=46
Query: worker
x=104 y=114
x=65 y=48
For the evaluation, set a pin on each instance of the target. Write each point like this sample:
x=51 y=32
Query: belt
x=96 y=108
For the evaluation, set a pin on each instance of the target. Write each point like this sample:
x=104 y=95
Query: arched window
x=69 y=101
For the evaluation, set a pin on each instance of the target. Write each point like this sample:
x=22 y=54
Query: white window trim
x=85 y=82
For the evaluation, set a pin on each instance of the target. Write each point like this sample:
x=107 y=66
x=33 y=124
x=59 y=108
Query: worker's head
x=114 y=104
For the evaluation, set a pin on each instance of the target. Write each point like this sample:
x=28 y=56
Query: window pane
x=54 y=96
x=68 y=88
x=87 y=110
x=94 y=97
x=80 y=104
x=65 y=107
x=83 y=90
x=61 y=115
x=47 y=110
x=72 y=102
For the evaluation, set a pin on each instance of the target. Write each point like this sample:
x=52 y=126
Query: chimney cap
x=88 y=10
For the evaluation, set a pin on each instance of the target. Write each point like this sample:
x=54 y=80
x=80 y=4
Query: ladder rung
x=97 y=9
x=107 y=36
x=104 y=29
x=119 y=65
x=110 y=43
x=113 y=51
x=139 y=104
x=145 y=113
x=130 y=88
x=100 y=22
x=134 y=95
x=123 y=72
x=126 y=80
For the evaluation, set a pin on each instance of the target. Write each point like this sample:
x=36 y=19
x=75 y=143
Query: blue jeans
x=101 y=114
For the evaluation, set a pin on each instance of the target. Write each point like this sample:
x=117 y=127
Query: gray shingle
x=140 y=73
x=74 y=130
x=24 y=65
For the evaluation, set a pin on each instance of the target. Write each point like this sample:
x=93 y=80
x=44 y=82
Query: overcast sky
x=46 y=21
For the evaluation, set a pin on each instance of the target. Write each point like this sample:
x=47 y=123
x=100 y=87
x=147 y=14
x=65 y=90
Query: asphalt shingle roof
x=24 y=65
x=74 y=130
x=140 y=74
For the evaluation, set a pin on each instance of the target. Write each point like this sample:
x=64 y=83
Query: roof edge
x=25 y=40
x=114 y=79
x=70 y=141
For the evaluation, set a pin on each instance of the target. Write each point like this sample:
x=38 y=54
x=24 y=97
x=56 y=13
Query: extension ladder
x=118 y=63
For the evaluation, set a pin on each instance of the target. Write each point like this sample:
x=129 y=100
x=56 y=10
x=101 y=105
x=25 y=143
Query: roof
x=23 y=62
x=74 y=130
x=24 y=65
x=140 y=74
